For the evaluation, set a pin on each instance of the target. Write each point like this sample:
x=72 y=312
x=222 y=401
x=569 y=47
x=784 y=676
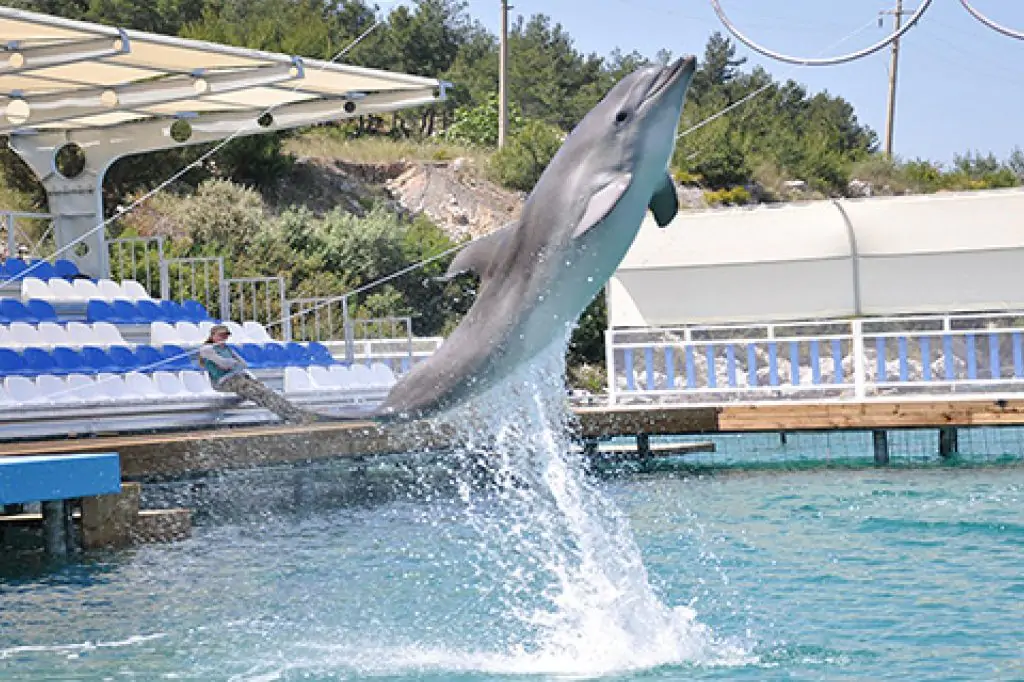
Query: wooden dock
x=167 y=455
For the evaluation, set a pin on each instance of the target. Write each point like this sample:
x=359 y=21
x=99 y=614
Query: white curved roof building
x=949 y=252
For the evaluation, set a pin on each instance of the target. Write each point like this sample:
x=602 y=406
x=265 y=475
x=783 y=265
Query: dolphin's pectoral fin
x=479 y=255
x=602 y=203
x=664 y=202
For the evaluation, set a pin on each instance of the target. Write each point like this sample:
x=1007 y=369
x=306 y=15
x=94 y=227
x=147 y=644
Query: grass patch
x=322 y=144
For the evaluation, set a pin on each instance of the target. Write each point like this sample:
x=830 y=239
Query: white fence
x=837 y=360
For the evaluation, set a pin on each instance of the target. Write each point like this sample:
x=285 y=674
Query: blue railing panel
x=773 y=364
x=1018 y=357
x=901 y=345
x=926 y=358
x=649 y=367
x=670 y=367
x=947 y=357
x=794 y=362
x=972 y=357
x=880 y=358
x=709 y=354
x=751 y=365
x=815 y=363
x=730 y=364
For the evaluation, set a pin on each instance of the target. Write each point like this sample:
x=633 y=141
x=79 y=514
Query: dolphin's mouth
x=672 y=74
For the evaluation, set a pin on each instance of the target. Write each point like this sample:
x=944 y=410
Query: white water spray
x=560 y=555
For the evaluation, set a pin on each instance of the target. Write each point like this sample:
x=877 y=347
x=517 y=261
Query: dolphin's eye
x=621 y=117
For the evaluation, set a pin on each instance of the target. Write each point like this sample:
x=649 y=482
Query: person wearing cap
x=229 y=373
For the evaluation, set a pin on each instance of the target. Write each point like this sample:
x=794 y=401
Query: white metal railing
x=835 y=359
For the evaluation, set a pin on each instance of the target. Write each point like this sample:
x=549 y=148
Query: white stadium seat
x=107 y=334
x=256 y=332
x=169 y=383
x=296 y=380
x=141 y=385
x=198 y=383
x=86 y=289
x=162 y=333
x=133 y=291
x=33 y=287
x=51 y=334
x=61 y=290
x=22 y=390
x=109 y=290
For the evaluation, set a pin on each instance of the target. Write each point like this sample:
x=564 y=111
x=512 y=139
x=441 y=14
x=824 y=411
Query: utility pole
x=890 y=120
x=503 y=77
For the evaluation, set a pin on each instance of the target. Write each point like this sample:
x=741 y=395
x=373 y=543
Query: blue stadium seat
x=148 y=359
x=38 y=361
x=99 y=311
x=275 y=355
x=13 y=310
x=177 y=359
x=150 y=311
x=97 y=360
x=252 y=353
x=195 y=311
x=13 y=268
x=125 y=312
x=11 y=363
x=123 y=358
x=68 y=361
x=172 y=311
x=65 y=268
x=321 y=354
x=41 y=311
x=41 y=269
x=298 y=355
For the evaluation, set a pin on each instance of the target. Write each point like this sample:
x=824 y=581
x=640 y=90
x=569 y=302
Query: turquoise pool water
x=528 y=569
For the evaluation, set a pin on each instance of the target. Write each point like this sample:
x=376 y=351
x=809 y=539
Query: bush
x=520 y=163
x=737 y=196
x=478 y=126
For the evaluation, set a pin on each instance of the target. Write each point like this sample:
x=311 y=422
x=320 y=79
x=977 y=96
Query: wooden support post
x=643 y=445
x=948 y=445
x=107 y=520
x=590 y=446
x=55 y=530
x=881 y=442
x=782 y=437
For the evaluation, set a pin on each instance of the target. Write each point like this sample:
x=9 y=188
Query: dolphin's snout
x=683 y=67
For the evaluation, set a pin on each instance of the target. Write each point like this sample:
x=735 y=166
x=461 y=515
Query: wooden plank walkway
x=174 y=454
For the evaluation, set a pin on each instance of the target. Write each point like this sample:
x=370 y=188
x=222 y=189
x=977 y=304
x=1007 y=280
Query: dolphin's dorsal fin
x=479 y=255
x=602 y=203
x=664 y=202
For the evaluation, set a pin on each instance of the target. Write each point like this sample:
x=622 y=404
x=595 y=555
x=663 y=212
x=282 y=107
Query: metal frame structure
x=101 y=93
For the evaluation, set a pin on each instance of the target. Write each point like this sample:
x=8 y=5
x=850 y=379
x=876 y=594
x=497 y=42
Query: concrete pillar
x=55 y=530
x=948 y=445
x=107 y=520
x=880 y=439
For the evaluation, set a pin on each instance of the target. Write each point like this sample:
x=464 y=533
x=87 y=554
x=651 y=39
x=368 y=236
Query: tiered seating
x=377 y=376
x=76 y=389
x=67 y=347
x=59 y=289
x=16 y=269
x=53 y=334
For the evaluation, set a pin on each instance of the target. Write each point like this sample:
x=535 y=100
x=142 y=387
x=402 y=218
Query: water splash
x=574 y=593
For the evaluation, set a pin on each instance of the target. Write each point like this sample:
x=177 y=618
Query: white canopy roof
x=825 y=259
x=57 y=75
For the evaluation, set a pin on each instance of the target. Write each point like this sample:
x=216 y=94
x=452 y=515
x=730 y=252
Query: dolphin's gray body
x=539 y=273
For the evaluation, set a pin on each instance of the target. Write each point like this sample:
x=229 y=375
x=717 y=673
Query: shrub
x=519 y=164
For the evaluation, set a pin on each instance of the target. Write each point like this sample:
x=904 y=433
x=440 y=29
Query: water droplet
x=590 y=279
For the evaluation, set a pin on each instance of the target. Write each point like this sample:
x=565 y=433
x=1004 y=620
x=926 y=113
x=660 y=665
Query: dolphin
x=537 y=274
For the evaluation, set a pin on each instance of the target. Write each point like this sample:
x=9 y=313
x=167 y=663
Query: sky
x=960 y=84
